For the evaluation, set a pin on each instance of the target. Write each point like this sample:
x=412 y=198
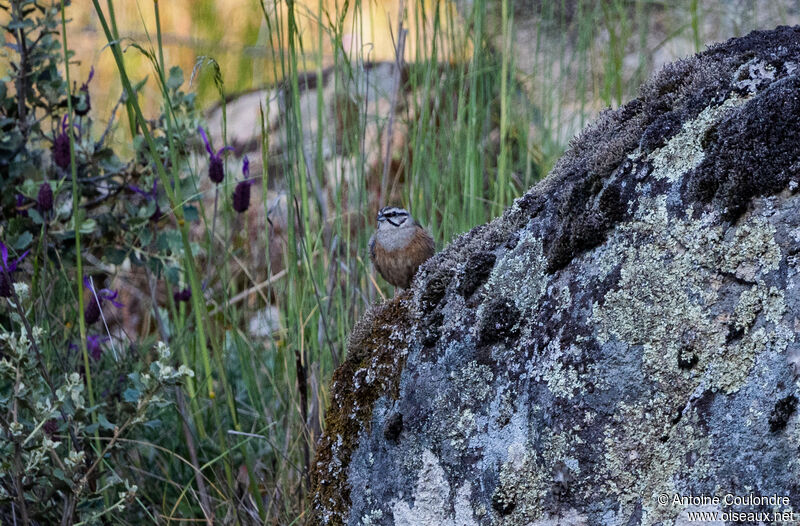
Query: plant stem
x=502 y=191
x=398 y=73
x=76 y=220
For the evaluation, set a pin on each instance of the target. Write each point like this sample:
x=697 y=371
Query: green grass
x=238 y=440
x=245 y=411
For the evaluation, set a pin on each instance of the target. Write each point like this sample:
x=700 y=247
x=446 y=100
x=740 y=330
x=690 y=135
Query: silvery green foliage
x=47 y=435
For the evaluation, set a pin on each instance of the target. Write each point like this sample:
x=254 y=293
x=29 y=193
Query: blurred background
x=237 y=35
x=573 y=57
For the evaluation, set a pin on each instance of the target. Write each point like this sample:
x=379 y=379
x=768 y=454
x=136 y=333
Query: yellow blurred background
x=237 y=35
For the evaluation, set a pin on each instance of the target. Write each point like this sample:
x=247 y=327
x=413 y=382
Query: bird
x=399 y=246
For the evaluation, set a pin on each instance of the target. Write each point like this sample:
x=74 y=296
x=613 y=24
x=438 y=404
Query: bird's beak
x=381 y=218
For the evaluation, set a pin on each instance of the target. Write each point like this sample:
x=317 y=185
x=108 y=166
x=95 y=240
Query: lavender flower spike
x=182 y=295
x=45 y=197
x=241 y=194
x=60 y=149
x=93 y=308
x=5 y=284
x=82 y=102
x=20 y=206
x=93 y=345
x=216 y=171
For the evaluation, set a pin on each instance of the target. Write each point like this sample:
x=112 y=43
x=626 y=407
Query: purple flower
x=216 y=171
x=81 y=102
x=151 y=195
x=241 y=194
x=93 y=309
x=50 y=427
x=45 y=197
x=182 y=295
x=20 y=205
x=60 y=149
x=93 y=346
x=5 y=284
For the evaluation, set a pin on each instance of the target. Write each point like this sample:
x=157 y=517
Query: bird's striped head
x=392 y=215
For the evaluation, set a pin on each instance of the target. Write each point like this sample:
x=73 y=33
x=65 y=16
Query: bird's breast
x=394 y=239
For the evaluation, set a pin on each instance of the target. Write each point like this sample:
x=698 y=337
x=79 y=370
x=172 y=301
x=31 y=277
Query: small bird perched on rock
x=399 y=246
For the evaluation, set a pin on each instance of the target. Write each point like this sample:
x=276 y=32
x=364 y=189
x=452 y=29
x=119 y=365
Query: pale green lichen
x=474 y=383
x=461 y=429
x=684 y=151
x=732 y=367
x=662 y=298
x=671 y=271
x=639 y=475
x=526 y=477
x=521 y=488
x=373 y=518
x=519 y=273
x=669 y=279
x=472 y=386
x=562 y=381
x=753 y=250
x=570 y=517
x=756 y=300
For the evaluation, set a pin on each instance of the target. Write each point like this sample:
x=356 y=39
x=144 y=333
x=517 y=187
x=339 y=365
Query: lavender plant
x=67 y=406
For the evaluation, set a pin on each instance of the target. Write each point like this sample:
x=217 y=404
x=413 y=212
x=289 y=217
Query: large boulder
x=617 y=348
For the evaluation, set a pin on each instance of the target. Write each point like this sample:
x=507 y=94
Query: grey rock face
x=623 y=334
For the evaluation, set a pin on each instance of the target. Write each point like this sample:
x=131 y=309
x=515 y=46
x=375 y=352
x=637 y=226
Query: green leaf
x=23 y=241
x=174 y=241
x=175 y=78
x=154 y=264
x=173 y=275
x=115 y=256
x=35 y=216
x=19 y=24
x=88 y=226
x=29 y=188
x=105 y=153
x=153 y=424
x=161 y=242
x=60 y=475
x=131 y=395
x=104 y=423
x=190 y=213
x=138 y=86
x=145 y=236
x=147 y=210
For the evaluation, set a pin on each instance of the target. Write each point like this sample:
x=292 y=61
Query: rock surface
x=624 y=332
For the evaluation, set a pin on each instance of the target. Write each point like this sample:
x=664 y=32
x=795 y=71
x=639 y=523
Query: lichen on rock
x=626 y=330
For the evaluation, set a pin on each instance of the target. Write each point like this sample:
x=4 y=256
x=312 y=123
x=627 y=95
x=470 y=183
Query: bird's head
x=393 y=217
